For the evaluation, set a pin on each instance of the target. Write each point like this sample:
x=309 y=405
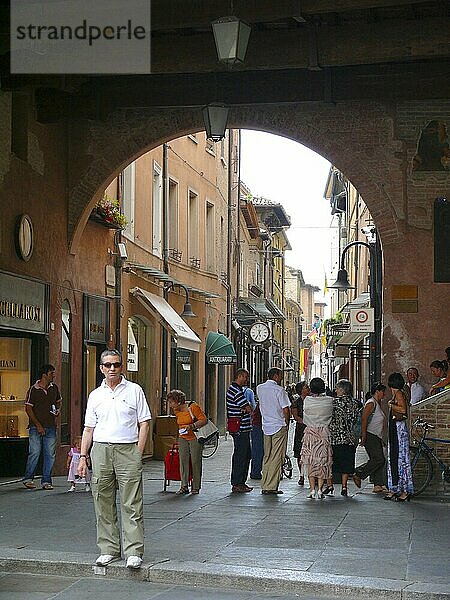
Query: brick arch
x=357 y=137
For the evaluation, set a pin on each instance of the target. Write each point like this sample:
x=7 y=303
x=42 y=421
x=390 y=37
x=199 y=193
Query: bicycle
x=421 y=455
x=210 y=446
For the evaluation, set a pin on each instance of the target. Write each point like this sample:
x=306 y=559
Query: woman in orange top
x=190 y=417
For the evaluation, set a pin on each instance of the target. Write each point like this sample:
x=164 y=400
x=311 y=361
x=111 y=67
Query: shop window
x=65 y=372
x=15 y=364
x=185 y=372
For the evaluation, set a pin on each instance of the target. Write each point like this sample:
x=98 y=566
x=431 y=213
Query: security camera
x=122 y=251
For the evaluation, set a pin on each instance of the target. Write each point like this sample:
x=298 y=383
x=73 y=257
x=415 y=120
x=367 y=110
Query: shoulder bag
x=205 y=433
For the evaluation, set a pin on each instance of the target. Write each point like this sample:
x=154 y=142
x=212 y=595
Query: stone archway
x=357 y=137
x=372 y=142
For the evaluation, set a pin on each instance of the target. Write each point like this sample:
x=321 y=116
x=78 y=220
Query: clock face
x=259 y=332
x=24 y=237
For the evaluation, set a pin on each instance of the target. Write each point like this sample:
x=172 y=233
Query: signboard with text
x=362 y=320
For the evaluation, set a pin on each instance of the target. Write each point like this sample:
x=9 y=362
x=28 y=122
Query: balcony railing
x=175 y=254
x=195 y=262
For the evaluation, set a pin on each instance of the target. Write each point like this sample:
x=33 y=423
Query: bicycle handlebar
x=421 y=423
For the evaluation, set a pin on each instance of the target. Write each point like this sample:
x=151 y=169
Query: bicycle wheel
x=287 y=467
x=210 y=447
x=422 y=470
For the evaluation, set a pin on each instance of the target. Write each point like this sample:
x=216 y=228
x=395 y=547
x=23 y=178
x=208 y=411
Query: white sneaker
x=72 y=488
x=134 y=562
x=105 y=559
x=87 y=488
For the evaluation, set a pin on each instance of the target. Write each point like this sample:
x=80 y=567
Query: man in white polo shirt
x=117 y=422
x=274 y=406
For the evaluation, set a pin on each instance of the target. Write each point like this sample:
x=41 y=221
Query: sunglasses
x=108 y=365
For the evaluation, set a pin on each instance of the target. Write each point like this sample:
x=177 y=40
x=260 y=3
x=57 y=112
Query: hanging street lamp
x=215 y=118
x=231 y=36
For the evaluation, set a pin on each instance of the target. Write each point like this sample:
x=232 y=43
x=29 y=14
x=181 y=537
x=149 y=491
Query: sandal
x=182 y=491
x=344 y=492
x=329 y=489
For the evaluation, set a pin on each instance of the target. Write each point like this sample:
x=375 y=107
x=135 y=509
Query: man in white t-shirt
x=117 y=422
x=417 y=392
x=274 y=406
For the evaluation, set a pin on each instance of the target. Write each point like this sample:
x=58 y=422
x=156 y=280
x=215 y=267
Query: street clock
x=259 y=332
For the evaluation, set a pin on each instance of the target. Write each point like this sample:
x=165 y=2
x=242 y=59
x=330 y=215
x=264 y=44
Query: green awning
x=219 y=349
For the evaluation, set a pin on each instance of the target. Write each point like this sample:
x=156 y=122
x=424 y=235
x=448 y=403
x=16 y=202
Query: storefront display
x=24 y=325
x=15 y=359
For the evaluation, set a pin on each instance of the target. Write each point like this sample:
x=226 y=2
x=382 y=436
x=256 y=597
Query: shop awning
x=219 y=349
x=169 y=319
x=348 y=340
x=359 y=302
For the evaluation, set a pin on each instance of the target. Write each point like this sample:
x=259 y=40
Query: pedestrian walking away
x=343 y=438
x=301 y=391
x=373 y=428
x=42 y=405
x=239 y=425
x=316 y=455
x=189 y=418
x=274 y=405
x=117 y=422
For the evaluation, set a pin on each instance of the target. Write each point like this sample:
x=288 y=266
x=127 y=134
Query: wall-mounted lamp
x=215 y=118
x=187 y=310
x=231 y=36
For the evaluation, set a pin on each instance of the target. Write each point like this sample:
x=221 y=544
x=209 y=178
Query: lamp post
x=342 y=283
x=187 y=313
x=187 y=310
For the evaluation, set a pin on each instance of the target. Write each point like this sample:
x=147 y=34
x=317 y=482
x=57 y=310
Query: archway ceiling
x=329 y=50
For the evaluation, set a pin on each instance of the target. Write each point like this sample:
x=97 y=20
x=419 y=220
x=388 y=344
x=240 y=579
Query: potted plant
x=108 y=213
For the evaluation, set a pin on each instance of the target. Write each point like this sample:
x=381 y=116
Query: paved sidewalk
x=356 y=547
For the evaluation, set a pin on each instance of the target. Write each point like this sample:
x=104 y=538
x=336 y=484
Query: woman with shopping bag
x=190 y=418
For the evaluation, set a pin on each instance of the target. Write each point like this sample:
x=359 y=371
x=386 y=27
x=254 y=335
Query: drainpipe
x=238 y=225
x=229 y=230
x=165 y=249
x=118 y=262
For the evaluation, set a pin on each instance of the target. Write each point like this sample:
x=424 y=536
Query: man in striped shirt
x=238 y=406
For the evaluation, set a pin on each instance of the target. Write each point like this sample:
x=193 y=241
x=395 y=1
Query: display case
x=15 y=357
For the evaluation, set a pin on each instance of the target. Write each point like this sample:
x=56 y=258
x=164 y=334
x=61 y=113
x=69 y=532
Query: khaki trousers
x=118 y=465
x=193 y=449
x=274 y=451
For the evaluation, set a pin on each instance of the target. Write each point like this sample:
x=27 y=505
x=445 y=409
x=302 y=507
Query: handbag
x=205 y=433
x=234 y=424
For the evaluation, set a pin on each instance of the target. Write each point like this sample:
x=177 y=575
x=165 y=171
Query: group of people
x=117 y=425
x=329 y=427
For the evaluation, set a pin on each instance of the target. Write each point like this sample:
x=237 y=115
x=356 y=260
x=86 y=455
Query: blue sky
x=295 y=176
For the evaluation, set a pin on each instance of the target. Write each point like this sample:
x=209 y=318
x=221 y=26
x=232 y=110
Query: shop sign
x=221 y=360
x=23 y=304
x=14 y=354
x=96 y=319
x=132 y=351
x=362 y=320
